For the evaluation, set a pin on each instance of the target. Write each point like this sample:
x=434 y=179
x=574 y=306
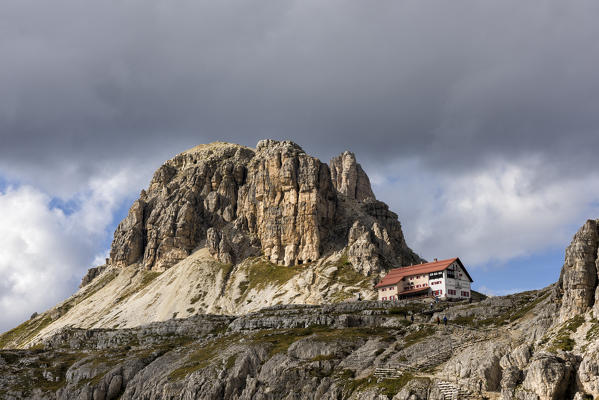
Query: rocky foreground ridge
x=508 y=347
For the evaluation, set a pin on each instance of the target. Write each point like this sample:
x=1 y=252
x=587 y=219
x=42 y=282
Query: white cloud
x=490 y=215
x=44 y=251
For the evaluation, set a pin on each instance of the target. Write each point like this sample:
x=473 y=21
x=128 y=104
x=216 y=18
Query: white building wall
x=438 y=287
x=417 y=281
x=458 y=287
x=387 y=293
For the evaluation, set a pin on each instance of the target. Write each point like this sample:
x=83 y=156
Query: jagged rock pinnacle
x=349 y=178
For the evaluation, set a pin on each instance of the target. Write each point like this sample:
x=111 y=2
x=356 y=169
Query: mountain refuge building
x=445 y=280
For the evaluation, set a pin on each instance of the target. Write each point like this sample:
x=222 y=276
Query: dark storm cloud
x=86 y=84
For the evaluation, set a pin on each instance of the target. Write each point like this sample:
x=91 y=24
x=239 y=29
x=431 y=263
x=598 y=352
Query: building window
x=435 y=275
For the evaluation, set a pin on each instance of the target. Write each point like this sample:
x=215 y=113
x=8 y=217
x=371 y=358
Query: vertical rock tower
x=578 y=281
x=275 y=201
x=349 y=178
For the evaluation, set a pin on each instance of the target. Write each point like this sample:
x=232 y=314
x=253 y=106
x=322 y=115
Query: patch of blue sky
x=6 y=183
x=67 y=206
x=534 y=271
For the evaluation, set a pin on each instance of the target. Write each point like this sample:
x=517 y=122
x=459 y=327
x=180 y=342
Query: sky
x=476 y=121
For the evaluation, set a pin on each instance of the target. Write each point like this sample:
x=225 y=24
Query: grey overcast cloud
x=478 y=122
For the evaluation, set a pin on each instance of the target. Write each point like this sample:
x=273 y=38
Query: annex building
x=445 y=279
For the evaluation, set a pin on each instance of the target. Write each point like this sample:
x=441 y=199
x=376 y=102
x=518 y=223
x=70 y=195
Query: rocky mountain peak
x=275 y=201
x=286 y=147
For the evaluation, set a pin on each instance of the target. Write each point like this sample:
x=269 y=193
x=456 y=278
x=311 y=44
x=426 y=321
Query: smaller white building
x=445 y=279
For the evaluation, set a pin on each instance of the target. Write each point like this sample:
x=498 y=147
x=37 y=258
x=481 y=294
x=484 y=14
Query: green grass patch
x=230 y=361
x=593 y=332
x=262 y=273
x=525 y=309
x=387 y=387
x=563 y=341
x=23 y=333
x=408 y=308
x=98 y=283
x=56 y=363
x=523 y=306
x=346 y=374
x=464 y=320
x=347 y=275
x=418 y=335
x=573 y=324
x=278 y=341
x=390 y=387
x=147 y=277
x=202 y=357
x=343 y=260
x=341 y=296
x=324 y=357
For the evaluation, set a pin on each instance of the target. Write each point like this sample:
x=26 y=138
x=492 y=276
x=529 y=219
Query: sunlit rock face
x=578 y=280
x=274 y=200
x=349 y=178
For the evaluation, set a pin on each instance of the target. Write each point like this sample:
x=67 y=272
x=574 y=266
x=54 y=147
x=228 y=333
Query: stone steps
x=452 y=391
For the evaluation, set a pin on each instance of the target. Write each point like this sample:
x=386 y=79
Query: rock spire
x=577 y=285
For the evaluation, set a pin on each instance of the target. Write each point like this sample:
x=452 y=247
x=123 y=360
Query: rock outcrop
x=548 y=376
x=92 y=274
x=349 y=178
x=275 y=200
x=577 y=285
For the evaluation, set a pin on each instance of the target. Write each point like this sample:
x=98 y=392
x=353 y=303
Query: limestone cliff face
x=349 y=178
x=577 y=285
x=275 y=200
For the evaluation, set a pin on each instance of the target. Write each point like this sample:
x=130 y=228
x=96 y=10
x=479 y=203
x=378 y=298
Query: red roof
x=397 y=274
